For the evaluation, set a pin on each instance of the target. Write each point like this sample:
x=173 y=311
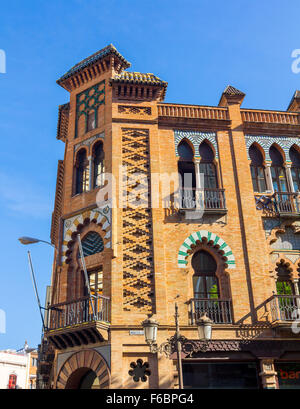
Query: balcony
x=220 y=311
x=207 y=200
x=285 y=204
x=284 y=308
x=78 y=322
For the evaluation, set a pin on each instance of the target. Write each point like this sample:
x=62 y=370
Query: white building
x=17 y=368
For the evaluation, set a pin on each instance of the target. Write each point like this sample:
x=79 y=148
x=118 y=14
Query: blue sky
x=198 y=46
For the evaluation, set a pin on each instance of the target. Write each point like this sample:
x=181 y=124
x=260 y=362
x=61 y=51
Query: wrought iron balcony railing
x=202 y=199
x=286 y=202
x=78 y=312
x=220 y=311
x=282 y=203
x=285 y=307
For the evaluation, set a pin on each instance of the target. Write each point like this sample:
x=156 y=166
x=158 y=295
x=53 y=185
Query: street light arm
x=48 y=242
x=32 y=240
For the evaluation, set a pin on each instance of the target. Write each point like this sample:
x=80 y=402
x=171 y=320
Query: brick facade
x=143 y=243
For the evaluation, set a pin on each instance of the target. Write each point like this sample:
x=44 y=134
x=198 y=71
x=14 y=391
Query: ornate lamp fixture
x=178 y=342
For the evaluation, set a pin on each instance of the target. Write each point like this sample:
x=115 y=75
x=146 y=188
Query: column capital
x=268 y=374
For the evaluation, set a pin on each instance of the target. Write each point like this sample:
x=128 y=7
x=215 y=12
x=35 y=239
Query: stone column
x=90 y=172
x=289 y=177
x=198 y=194
x=269 y=177
x=267 y=373
x=296 y=289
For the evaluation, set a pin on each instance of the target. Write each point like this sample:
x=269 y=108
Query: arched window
x=91 y=120
x=257 y=169
x=95 y=282
x=207 y=166
x=205 y=282
x=12 y=381
x=185 y=151
x=284 y=284
x=285 y=291
x=295 y=158
x=92 y=244
x=186 y=170
x=82 y=172
x=98 y=162
x=277 y=170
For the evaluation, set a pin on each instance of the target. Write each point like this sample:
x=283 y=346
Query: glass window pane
x=199 y=286
x=212 y=287
x=262 y=185
x=91 y=121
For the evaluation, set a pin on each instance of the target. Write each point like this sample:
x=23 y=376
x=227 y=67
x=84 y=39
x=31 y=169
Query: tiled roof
x=139 y=78
x=110 y=49
x=230 y=90
x=295 y=96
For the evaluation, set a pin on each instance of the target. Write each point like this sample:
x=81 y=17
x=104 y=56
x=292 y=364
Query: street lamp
x=177 y=342
x=31 y=240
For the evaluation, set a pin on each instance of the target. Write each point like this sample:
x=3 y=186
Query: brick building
x=203 y=208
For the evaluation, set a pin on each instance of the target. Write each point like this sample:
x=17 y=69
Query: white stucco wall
x=16 y=364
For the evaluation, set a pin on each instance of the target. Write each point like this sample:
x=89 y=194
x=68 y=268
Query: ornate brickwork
x=196 y=138
x=198 y=236
x=266 y=141
x=63 y=121
x=88 y=101
x=137 y=225
x=58 y=202
x=128 y=109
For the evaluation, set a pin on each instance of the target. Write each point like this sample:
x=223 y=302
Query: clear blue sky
x=198 y=46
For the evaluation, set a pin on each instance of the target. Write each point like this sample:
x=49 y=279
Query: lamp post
x=177 y=342
x=31 y=240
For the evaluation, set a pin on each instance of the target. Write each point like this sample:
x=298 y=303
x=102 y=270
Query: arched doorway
x=83 y=378
x=85 y=369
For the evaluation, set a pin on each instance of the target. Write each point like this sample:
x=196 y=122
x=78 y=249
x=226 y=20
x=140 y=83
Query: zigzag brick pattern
x=137 y=223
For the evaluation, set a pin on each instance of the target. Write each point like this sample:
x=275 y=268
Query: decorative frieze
x=266 y=142
x=102 y=216
x=88 y=142
x=196 y=138
x=129 y=109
